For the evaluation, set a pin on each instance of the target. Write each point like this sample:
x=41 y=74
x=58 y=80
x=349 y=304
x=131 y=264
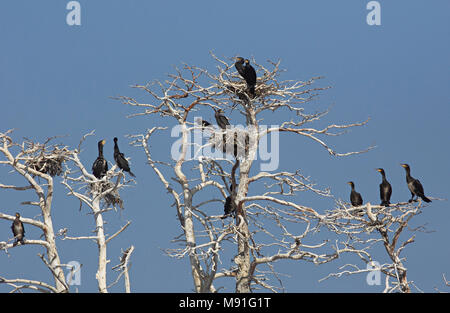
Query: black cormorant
x=239 y=64
x=250 y=76
x=100 y=166
x=121 y=162
x=247 y=72
x=18 y=230
x=229 y=206
x=385 y=189
x=355 y=197
x=221 y=119
x=414 y=185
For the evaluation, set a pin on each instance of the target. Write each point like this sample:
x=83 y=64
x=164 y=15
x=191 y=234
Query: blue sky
x=57 y=79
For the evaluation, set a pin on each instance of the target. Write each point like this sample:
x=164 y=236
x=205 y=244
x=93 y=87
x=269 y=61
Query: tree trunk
x=243 y=275
x=101 y=243
x=52 y=253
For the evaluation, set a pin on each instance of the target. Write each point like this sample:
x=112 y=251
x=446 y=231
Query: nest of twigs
x=233 y=141
x=50 y=163
x=112 y=197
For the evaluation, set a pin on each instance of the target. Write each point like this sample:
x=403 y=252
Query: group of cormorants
x=249 y=74
x=100 y=166
x=99 y=169
x=414 y=186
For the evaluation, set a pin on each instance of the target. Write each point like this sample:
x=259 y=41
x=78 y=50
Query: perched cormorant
x=18 y=230
x=247 y=72
x=250 y=76
x=121 y=162
x=385 y=189
x=355 y=197
x=414 y=185
x=100 y=166
x=221 y=119
x=239 y=64
x=229 y=206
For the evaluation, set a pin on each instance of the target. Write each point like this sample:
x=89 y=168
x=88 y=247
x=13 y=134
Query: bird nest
x=50 y=163
x=232 y=141
x=112 y=197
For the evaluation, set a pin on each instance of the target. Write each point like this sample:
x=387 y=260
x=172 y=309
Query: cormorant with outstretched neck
x=414 y=185
x=18 y=230
x=221 y=119
x=355 y=197
x=100 y=166
x=119 y=157
x=385 y=189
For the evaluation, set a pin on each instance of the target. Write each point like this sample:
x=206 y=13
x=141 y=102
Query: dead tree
x=377 y=224
x=100 y=196
x=267 y=227
x=123 y=269
x=37 y=164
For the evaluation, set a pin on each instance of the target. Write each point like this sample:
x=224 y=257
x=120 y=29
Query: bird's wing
x=389 y=193
x=418 y=187
x=359 y=197
x=122 y=159
x=253 y=73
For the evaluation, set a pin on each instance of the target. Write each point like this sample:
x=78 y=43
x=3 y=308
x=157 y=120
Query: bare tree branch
x=193 y=90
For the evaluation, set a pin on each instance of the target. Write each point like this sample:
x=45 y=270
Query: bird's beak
x=403 y=165
x=103 y=142
x=378 y=169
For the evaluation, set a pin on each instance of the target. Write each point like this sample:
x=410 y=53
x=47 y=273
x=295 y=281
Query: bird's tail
x=425 y=199
x=385 y=203
x=131 y=173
